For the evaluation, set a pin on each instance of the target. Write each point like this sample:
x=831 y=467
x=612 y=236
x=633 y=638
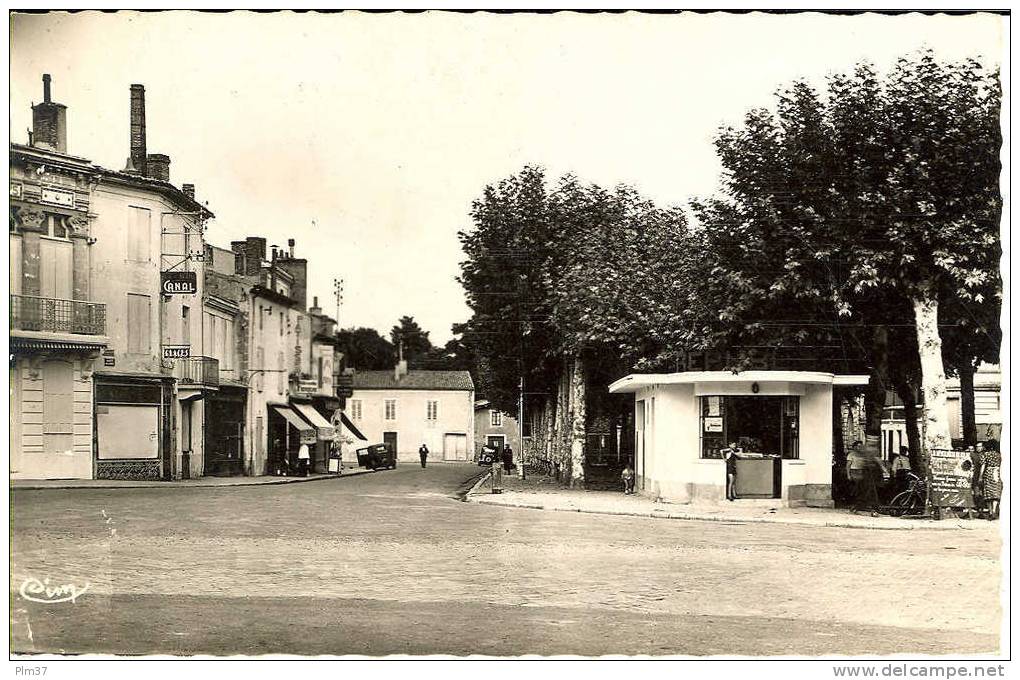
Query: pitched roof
x=414 y=380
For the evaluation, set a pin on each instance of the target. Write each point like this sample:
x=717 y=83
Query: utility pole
x=338 y=291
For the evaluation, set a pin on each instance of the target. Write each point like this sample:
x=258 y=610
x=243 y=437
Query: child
x=628 y=480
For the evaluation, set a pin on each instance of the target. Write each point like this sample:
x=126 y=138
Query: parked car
x=488 y=456
x=378 y=456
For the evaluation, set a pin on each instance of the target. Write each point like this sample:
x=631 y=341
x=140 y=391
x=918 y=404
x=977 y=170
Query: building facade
x=410 y=408
x=494 y=428
x=58 y=328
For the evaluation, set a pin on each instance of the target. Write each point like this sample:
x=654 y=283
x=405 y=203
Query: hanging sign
x=176 y=351
x=951 y=475
x=178 y=283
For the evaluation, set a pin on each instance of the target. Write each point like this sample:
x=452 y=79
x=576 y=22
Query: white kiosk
x=780 y=420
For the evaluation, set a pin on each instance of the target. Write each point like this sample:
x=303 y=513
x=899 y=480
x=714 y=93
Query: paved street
x=391 y=563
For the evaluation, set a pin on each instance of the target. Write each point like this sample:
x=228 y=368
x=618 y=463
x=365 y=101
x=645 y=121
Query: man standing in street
x=423 y=453
x=508 y=459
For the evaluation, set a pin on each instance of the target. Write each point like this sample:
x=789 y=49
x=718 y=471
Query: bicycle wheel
x=903 y=503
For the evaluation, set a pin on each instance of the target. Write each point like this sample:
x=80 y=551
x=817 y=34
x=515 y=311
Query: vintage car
x=378 y=456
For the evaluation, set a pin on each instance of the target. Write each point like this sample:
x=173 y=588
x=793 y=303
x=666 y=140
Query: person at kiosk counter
x=730 y=455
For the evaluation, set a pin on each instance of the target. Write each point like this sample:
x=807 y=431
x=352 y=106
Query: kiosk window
x=768 y=425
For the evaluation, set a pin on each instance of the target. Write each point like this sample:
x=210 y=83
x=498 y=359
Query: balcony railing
x=197 y=371
x=53 y=315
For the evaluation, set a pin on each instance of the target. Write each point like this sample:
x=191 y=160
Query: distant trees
x=365 y=349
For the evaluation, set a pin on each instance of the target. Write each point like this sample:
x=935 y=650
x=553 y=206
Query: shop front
x=324 y=434
x=778 y=422
x=287 y=432
x=133 y=427
x=224 y=431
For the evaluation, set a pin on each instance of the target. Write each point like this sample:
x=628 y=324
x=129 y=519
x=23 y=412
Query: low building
x=495 y=428
x=410 y=408
x=783 y=421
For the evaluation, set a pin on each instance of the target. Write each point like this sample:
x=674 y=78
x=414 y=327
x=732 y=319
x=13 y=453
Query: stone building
x=495 y=428
x=58 y=327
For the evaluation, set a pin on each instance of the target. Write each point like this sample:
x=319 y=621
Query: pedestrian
x=871 y=472
x=508 y=459
x=730 y=454
x=628 y=480
x=991 y=477
x=304 y=459
x=900 y=468
x=423 y=453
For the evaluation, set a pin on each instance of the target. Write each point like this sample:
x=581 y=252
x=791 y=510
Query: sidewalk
x=200 y=482
x=544 y=493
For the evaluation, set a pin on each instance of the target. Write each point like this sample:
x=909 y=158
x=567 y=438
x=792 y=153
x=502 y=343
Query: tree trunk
x=905 y=391
x=577 y=424
x=967 y=403
x=838 y=449
x=874 y=400
x=933 y=377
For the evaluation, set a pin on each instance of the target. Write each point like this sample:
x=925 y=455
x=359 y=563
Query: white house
x=781 y=419
x=411 y=408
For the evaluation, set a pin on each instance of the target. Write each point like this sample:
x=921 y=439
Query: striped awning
x=322 y=426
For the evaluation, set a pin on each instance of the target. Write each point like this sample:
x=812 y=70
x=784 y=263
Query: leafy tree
x=845 y=217
x=414 y=342
x=366 y=350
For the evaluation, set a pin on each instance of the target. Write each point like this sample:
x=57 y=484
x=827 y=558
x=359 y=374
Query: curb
x=481 y=500
x=172 y=485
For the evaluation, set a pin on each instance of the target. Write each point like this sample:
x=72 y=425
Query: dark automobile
x=378 y=456
x=488 y=456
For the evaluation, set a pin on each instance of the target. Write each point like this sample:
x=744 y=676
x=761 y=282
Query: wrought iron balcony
x=197 y=371
x=53 y=315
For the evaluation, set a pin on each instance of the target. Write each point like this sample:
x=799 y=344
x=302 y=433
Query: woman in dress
x=991 y=477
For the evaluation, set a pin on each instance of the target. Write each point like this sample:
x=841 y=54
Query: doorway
x=454 y=446
x=390 y=438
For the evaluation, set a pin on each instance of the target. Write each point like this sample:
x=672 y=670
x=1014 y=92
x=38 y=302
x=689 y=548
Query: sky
x=366 y=137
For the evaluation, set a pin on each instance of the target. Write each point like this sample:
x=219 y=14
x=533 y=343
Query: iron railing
x=197 y=371
x=54 y=315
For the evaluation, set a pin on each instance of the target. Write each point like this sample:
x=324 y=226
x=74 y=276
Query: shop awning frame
x=324 y=430
x=346 y=423
x=293 y=418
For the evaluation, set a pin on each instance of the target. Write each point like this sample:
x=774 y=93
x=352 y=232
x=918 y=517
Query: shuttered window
x=55 y=269
x=139 y=234
x=139 y=324
x=390 y=409
x=58 y=406
x=432 y=410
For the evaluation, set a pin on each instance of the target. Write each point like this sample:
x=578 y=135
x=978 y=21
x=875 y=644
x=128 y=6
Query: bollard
x=497 y=478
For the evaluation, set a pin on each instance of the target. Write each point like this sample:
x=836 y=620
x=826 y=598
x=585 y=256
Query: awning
x=345 y=423
x=322 y=427
x=306 y=430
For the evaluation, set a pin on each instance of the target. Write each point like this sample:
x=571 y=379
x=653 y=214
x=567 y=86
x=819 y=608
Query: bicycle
x=912 y=501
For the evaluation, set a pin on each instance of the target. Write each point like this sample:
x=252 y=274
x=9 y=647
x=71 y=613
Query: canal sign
x=179 y=283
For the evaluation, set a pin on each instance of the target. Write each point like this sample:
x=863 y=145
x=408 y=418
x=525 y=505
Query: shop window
x=390 y=409
x=767 y=425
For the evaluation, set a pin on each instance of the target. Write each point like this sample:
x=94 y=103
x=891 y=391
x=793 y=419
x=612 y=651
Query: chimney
x=138 y=156
x=290 y=246
x=49 y=121
x=315 y=308
x=297 y=268
x=157 y=166
x=189 y=190
x=248 y=255
x=400 y=370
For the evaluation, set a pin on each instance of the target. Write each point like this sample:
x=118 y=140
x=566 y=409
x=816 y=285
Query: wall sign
x=178 y=283
x=176 y=351
x=713 y=424
x=58 y=197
